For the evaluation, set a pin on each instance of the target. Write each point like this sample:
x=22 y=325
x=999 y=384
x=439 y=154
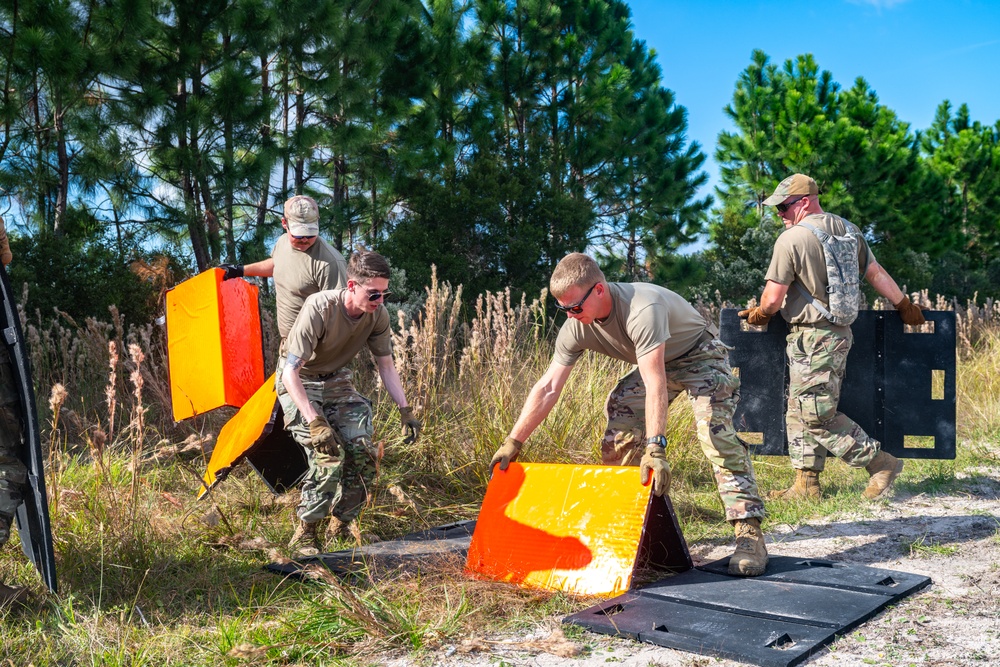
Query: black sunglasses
x=783 y=206
x=577 y=308
x=375 y=295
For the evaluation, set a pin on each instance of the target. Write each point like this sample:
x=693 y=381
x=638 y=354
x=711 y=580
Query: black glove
x=231 y=271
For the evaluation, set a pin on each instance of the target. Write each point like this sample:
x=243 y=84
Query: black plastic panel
x=887 y=389
x=33 y=514
x=776 y=620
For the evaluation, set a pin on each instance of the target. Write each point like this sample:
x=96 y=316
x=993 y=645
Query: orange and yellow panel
x=215 y=354
x=572 y=528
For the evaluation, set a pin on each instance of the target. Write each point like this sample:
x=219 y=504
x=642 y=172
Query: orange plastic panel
x=240 y=433
x=214 y=343
x=570 y=528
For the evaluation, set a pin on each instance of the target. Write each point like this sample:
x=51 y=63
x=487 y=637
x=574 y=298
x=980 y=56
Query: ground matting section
x=775 y=620
x=422 y=547
x=899 y=385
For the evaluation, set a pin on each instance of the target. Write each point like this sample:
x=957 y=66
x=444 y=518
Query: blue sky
x=913 y=53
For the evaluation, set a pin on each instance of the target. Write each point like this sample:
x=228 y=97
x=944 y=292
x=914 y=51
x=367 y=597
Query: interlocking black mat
x=451 y=540
x=776 y=620
x=898 y=383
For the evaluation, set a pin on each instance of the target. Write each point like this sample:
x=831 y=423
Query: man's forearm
x=884 y=284
x=541 y=399
x=292 y=382
x=390 y=378
x=261 y=269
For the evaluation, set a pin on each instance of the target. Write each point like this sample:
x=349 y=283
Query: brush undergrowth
x=151 y=576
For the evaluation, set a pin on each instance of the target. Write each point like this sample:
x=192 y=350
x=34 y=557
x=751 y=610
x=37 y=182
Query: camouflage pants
x=817 y=360
x=714 y=391
x=336 y=485
x=13 y=474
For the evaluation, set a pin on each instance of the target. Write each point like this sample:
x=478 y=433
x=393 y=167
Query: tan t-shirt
x=299 y=274
x=798 y=255
x=642 y=317
x=328 y=338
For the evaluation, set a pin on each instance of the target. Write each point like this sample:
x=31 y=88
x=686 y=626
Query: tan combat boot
x=750 y=557
x=337 y=529
x=805 y=487
x=305 y=541
x=884 y=469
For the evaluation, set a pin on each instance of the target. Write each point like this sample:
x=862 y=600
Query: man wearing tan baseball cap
x=301 y=263
x=820 y=340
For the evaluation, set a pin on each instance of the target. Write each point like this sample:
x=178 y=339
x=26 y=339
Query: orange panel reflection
x=571 y=528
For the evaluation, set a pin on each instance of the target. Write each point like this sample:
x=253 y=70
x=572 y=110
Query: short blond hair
x=575 y=269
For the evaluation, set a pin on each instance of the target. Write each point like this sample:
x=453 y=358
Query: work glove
x=411 y=425
x=910 y=313
x=322 y=438
x=755 y=316
x=506 y=454
x=231 y=271
x=654 y=462
x=5 y=254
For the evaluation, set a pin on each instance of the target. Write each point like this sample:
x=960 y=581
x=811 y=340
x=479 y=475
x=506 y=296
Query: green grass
x=151 y=576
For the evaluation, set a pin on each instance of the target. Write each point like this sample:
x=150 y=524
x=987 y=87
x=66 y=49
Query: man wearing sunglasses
x=674 y=350
x=323 y=411
x=301 y=263
x=817 y=347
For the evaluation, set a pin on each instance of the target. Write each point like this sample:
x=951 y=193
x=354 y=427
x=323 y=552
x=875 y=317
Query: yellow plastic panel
x=214 y=344
x=240 y=433
x=569 y=528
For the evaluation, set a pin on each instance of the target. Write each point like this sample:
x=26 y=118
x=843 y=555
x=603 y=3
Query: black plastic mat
x=776 y=620
x=451 y=540
x=899 y=385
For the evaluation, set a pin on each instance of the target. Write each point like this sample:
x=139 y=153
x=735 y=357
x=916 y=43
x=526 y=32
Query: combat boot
x=305 y=541
x=750 y=557
x=805 y=487
x=884 y=469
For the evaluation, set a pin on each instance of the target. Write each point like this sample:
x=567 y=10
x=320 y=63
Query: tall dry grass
x=151 y=576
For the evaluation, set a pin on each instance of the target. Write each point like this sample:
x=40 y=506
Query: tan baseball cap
x=796 y=184
x=302 y=216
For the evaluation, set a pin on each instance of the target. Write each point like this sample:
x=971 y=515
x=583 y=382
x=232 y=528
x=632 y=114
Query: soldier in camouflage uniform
x=674 y=350
x=301 y=264
x=816 y=347
x=13 y=473
x=323 y=411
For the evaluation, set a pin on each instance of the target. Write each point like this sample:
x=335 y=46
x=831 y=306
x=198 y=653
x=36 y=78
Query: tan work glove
x=506 y=454
x=411 y=425
x=5 y=254
x=322 y=438
x=654 y=462
x=755 y=316
x=910 y=313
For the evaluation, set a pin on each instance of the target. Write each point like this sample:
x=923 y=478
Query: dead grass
x=150 y=576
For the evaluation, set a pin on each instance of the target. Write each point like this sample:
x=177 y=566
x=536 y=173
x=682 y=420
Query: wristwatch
x=657 y=440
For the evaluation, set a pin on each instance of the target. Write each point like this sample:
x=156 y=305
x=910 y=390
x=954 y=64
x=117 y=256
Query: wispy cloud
x=959 y=51
x=878 y=4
